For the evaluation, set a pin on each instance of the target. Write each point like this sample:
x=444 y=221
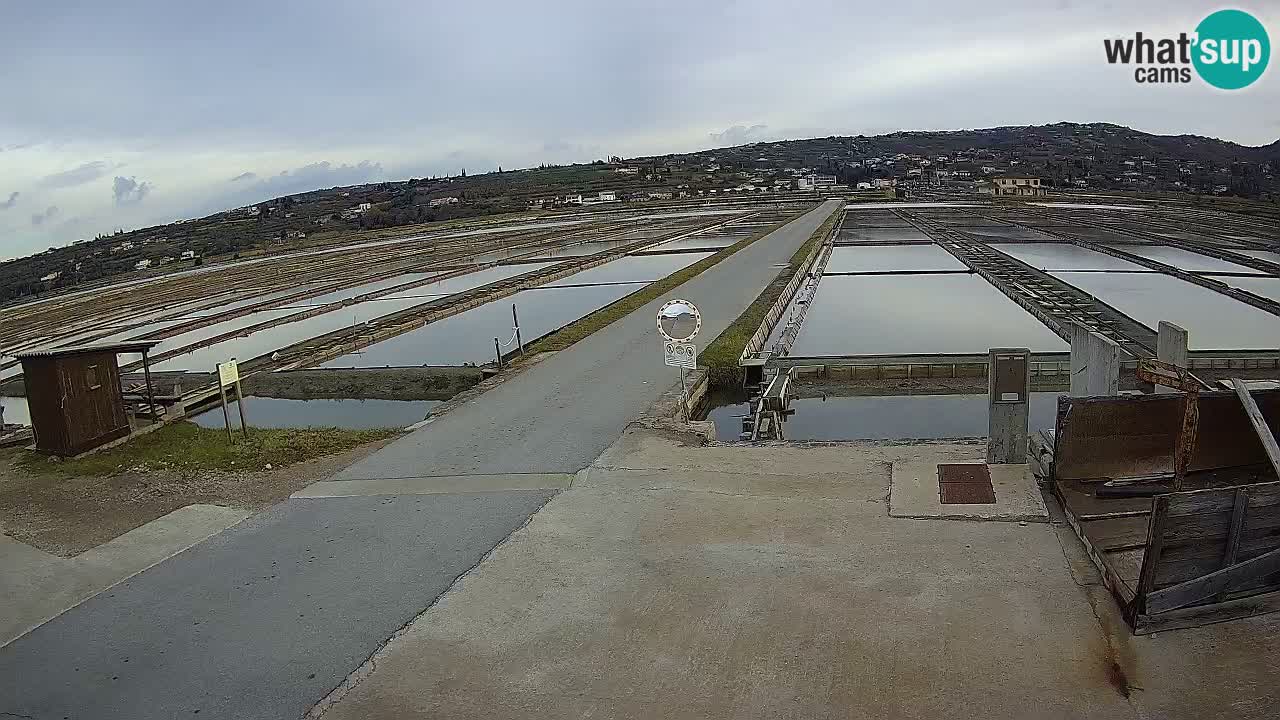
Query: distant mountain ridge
x=1092 y=156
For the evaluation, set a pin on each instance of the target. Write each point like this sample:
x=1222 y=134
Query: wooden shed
x=75 y=397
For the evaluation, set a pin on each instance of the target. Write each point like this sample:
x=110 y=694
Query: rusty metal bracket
x=1159 y=372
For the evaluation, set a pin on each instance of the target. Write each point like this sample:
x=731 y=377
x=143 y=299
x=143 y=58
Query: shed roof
x=120 y=347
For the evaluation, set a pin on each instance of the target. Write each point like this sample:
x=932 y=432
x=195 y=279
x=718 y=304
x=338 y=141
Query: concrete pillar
x=1079 y=360
x=1171 y=347
x=1095 y=363
x=1009 y=384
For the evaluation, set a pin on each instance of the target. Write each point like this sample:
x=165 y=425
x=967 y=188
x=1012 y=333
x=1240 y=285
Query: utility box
x=1009 y=382
x=74 y=396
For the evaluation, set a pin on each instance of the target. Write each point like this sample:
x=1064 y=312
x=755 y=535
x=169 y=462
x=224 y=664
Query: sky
x=128 y=114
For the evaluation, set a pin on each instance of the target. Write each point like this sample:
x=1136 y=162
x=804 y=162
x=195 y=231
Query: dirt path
x=66 y=515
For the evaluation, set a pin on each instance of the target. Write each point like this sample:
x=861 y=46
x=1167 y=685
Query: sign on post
x=228 y=373
x=679 y=322
x=229 y=376
x=681 y=355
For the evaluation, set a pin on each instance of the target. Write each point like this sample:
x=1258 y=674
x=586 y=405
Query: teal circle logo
x=1232 y=49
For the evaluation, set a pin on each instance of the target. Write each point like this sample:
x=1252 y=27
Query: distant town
x=1007 y=161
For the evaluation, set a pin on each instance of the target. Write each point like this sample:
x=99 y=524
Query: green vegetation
x=722 y=355
x=186 y=446
x=605 y=316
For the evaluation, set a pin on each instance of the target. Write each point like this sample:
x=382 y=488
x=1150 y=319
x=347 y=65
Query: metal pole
x=151 y=400
x=684 y=396
x=497 y=350
x=226 y=416
x=244 y=426
x=515 y=319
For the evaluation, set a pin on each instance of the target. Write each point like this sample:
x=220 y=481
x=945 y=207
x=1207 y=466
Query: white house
x=1018 y=185
x=444 y=201
x=142 y=265
x=188 y=255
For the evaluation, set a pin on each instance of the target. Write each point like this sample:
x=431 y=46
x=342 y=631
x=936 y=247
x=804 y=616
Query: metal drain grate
x=965 y=484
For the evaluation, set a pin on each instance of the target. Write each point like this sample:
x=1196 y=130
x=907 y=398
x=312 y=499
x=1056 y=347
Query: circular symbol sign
x=679 y=320
x=1232 y=49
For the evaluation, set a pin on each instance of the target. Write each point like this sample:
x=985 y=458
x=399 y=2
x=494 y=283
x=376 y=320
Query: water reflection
x=1185 y=259
x=899 y=314
x=889 y=417
x=1213 y=320
x=15 y=410
x=891 y=257
x=1065 y=256
x=350 y=414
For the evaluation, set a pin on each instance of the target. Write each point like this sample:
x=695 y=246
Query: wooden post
x=244 y=425
x=1186 y=443
x=151 y=400
x=1259 y=424
x=226 y=416
x=497 y=350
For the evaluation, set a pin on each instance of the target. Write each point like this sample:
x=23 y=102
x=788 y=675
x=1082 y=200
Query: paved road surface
x=558 y=416
x=263 y=620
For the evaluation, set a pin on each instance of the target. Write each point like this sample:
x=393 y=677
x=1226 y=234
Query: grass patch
x=187 y=446
x=721 y=356
x=618 y=309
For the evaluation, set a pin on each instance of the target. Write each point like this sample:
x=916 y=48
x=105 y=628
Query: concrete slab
x=436 y=484
x=639 y=594
x=39 y=586
x=913 y=493
x=261 y=620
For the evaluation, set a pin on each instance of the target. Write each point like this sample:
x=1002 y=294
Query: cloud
x=740 y=135
x=128 y=191
x=315 y=176
x=47 y=215
x=13 y=198
x=85 y=173
x=244 y=176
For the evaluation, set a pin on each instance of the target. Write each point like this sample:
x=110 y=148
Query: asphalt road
x=260 y=621
x=265 y=619
x=561 y=414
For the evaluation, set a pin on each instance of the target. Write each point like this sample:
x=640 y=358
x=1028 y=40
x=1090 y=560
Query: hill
x=1096 y=156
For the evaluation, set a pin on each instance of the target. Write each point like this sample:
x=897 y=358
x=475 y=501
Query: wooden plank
x=1197 y=615
x=1260 y=425
x=1187 y=593
x=1123 y=592
x=1127 y=564
x=1222 y=500
x=1155 y=543
x=1117 y=534
x=1237 y=526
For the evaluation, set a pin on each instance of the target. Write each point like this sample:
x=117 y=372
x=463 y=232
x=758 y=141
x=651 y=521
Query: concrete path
x=558 y=416
x=771 y=582
x=262 y=620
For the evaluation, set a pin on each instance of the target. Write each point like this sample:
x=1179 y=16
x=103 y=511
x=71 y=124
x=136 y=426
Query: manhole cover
x=964 y=473
x=965 y=484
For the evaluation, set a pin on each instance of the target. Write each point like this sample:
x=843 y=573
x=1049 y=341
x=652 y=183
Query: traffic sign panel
x=681 y=354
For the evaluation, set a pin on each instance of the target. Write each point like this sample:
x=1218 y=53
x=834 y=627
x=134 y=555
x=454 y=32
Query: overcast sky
x=126 y=114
